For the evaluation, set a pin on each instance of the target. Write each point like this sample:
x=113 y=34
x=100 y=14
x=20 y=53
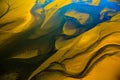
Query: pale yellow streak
x=26 y=54
x=105 y=10
x=81 y=17
x=95 y=2
x=113 y=0
x=39 y=11
x=41 y=1
x=69 y=29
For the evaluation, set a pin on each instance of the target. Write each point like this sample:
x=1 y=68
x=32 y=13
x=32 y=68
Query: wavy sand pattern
x=59 y=40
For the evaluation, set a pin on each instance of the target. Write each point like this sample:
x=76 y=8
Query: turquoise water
x=58 y=19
